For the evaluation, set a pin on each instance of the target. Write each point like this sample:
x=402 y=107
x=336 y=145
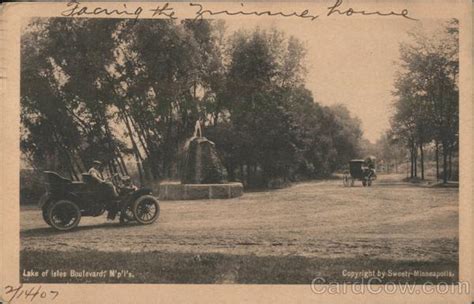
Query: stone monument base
x=177 y=191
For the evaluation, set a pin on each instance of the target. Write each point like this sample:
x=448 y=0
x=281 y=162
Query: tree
x=347 y=135
x=114 y=90
x=264 y=69
x=427 y=106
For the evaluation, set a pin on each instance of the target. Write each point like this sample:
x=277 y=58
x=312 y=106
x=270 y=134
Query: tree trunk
x=437 y=159
x=130 y=134
x=247 y=167
x=422 y=162
x=215 y=118
x=74 y=175
x=450 y=161
x=141 y=138
x=445 y=163
x=415 y=160
x=140 y=134
x=64 y=150
x=136 y=152
x=122 y=163
x=118 y=167
x=78 y=162
x=75 y=164
x=108 y=134
x=168 y=154
x=113 y=164
x=140 y=169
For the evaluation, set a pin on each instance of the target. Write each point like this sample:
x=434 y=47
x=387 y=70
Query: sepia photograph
x=227 y=152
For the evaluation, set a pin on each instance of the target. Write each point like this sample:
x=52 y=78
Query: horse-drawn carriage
x=362 y=170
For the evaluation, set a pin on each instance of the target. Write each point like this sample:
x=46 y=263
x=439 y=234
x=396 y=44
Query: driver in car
x=96 y=173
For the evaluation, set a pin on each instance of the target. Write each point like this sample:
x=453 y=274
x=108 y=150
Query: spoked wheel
x=63 y=215
x=345 y=179
x=126 y=215
x=146 y=209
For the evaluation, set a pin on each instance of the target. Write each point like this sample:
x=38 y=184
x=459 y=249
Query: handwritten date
x=29 y=293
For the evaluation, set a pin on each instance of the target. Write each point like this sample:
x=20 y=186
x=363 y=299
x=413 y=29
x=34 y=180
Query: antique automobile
x=66 y=201
x=362 y=170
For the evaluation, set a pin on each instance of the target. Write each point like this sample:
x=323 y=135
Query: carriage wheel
x=63 y=215
x=345 y=180
x=146 y=209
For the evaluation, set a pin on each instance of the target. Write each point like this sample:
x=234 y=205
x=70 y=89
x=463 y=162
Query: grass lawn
x=159 y=267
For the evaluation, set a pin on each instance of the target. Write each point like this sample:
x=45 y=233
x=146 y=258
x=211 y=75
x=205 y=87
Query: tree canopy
x=427 y=95
x=127 y=93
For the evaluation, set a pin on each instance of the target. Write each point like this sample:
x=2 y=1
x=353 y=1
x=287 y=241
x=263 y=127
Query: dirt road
x=393 y=220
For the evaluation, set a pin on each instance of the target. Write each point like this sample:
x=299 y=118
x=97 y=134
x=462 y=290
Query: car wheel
x=63 y=215
x=44 y=213
x=146 y=209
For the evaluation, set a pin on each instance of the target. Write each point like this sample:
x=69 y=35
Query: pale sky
x=350 y=62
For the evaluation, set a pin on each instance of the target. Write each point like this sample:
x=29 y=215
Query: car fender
x=46 y=197
x=140 y=192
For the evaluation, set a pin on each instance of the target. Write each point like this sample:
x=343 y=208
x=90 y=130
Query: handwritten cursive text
x=201 y=13
x=350 y=11
x=30 y=293
x=77 y=9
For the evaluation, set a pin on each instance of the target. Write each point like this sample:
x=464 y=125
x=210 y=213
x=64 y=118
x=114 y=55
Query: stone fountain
x=202 y=174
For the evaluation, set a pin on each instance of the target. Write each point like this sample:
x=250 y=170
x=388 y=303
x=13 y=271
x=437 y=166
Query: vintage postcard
x=199 y=152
